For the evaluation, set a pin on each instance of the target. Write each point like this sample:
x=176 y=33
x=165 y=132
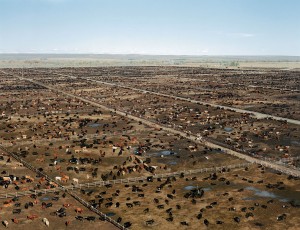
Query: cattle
x=16 y=211
x=170 y=219
x=199 y=216
x=137 y=203
x=150 y=179
x=155 y=200
x=206 y=222
x=61 y=210
x=79 y=218
x=66 y=205
x=79 y=210
x=149 y=222
x=5 y=223
x=48 y=205
x=109 y=204
x=281 y=217
x=169 y=210
x=32 y=217
x=258 y=224
x=170 y=196
x=127 y=224
x=62 y=214
x=17 y=204
x=90 y=218
x=119 y=220
x=46 y=222
x=75 y=180
x=108 y=185
x=237 y=219
x=249 y=214
x=14 y=220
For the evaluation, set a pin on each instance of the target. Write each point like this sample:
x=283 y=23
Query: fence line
x=164 y=175
x=122 y=181
x=62 y=188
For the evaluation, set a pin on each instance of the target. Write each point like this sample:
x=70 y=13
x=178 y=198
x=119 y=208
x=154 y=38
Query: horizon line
x=148 y=54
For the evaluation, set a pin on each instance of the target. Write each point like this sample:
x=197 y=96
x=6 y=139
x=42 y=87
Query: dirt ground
x=268 y=203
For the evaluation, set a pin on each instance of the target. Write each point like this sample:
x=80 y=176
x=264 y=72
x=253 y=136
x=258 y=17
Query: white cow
x=46 y=222
x=5 y=223
x=75 y=180
x=58 y=178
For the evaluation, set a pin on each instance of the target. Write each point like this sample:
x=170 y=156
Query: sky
x=161 y=27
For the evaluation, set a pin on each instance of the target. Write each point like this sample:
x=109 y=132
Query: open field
x=98 y=60
x=144 y=147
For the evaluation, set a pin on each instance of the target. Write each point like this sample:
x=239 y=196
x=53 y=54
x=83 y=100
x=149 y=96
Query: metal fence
x=121 y=181
x=164 y=175
x=59 y=188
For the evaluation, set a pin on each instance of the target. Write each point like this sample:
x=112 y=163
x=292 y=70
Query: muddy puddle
x=283 y=196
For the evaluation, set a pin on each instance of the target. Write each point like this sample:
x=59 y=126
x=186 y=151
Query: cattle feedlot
x=149 y=147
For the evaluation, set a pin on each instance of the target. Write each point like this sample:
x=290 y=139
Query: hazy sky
x=197 y=27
